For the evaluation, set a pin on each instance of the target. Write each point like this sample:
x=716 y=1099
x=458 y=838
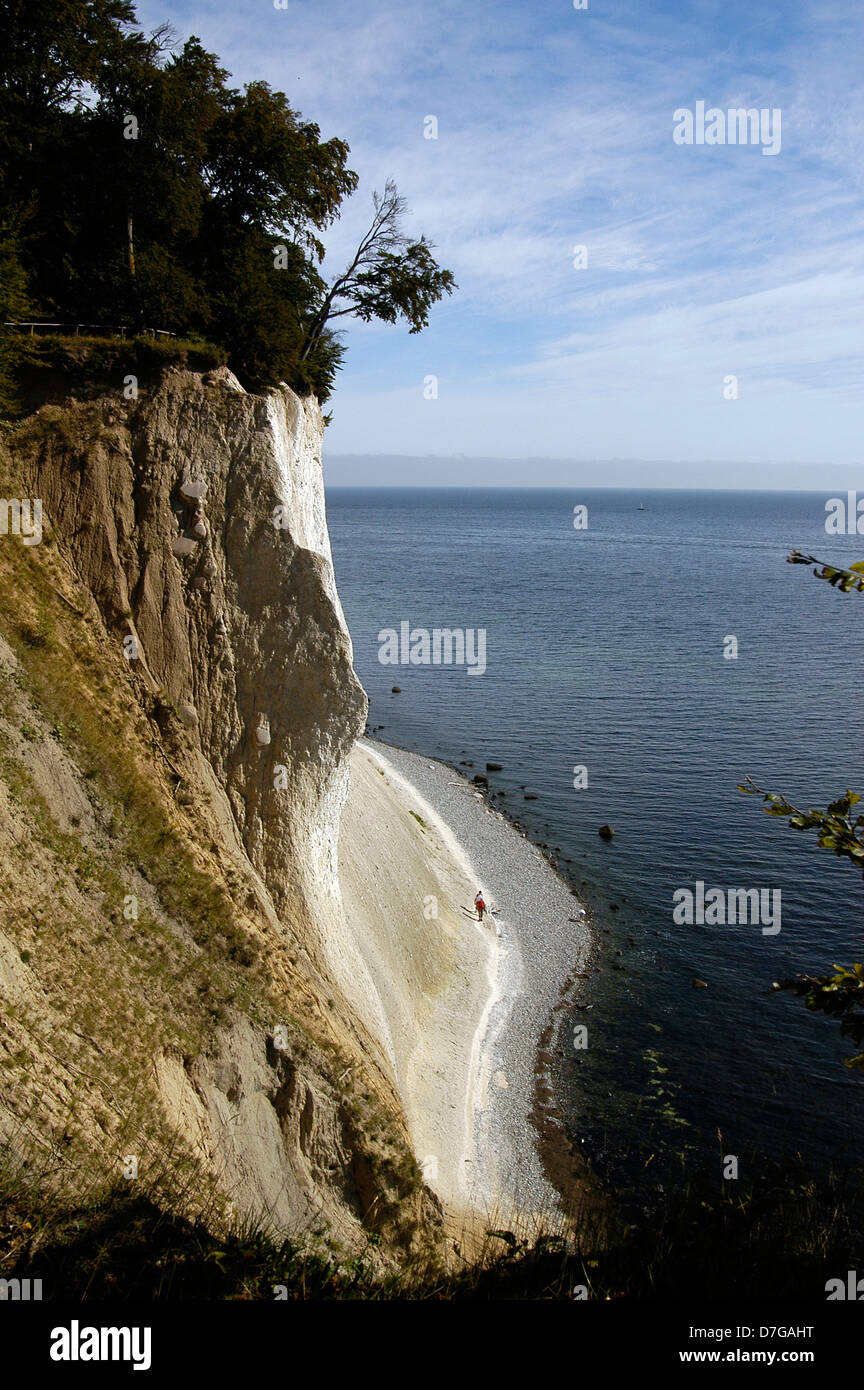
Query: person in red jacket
x=479 y=904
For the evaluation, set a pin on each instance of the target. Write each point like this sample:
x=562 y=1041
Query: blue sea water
x=605 y=650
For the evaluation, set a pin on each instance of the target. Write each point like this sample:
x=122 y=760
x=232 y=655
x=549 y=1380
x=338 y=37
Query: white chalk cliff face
x=190 y=530
x=188 y=573
x=240 y=625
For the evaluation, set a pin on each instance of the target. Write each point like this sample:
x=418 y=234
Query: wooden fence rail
x=104 y=330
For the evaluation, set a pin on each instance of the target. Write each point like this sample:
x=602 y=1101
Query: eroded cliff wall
x=178 y=708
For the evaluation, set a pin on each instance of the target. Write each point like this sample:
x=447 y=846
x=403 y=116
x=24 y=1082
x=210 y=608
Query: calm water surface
x=605 y=650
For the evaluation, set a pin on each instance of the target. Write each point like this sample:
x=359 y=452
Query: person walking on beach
x=479 y=904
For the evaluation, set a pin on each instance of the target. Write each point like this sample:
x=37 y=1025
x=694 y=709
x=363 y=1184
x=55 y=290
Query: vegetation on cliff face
x=143 y=966
x=139 y=188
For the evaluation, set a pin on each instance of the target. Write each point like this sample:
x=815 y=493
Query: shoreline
x=544 y=940
x=490 y=943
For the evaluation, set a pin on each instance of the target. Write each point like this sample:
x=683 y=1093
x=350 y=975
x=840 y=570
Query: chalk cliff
x=177 y=711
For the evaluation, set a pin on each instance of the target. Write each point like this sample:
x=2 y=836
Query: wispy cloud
x=555 y=129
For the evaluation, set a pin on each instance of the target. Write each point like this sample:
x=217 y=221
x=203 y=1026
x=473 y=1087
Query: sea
x=643 y=657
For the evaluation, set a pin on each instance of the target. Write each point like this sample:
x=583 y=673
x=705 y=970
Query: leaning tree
x=390 y=276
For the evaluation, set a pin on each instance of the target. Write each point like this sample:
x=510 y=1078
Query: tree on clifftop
x=390 y=277
x=139 y=189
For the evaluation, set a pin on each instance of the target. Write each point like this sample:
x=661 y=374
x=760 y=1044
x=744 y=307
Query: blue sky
x=555 y=130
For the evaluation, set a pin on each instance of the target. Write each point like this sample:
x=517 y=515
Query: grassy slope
x=102 y=996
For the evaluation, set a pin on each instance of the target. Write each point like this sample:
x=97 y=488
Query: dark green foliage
x=841 y=993
x=13 y=305
x=145 y=192
x=841 y=996
x=837 y=830
x=845 y=580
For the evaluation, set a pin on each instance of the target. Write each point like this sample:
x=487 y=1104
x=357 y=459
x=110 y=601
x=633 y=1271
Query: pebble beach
x=544 y=938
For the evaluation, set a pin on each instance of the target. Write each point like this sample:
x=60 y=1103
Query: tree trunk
x=318 y=324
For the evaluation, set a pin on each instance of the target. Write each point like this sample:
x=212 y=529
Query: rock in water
x=605 y=832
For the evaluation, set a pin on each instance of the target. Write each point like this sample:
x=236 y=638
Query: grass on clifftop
x=54 y=365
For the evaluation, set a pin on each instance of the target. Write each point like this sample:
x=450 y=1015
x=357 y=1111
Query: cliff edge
x=183 y=1002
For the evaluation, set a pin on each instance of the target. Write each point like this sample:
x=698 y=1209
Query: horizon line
x=557 y=487
x=595 y=462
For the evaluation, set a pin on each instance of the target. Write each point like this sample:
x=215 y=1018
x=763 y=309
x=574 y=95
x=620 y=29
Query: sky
x=716 y=333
